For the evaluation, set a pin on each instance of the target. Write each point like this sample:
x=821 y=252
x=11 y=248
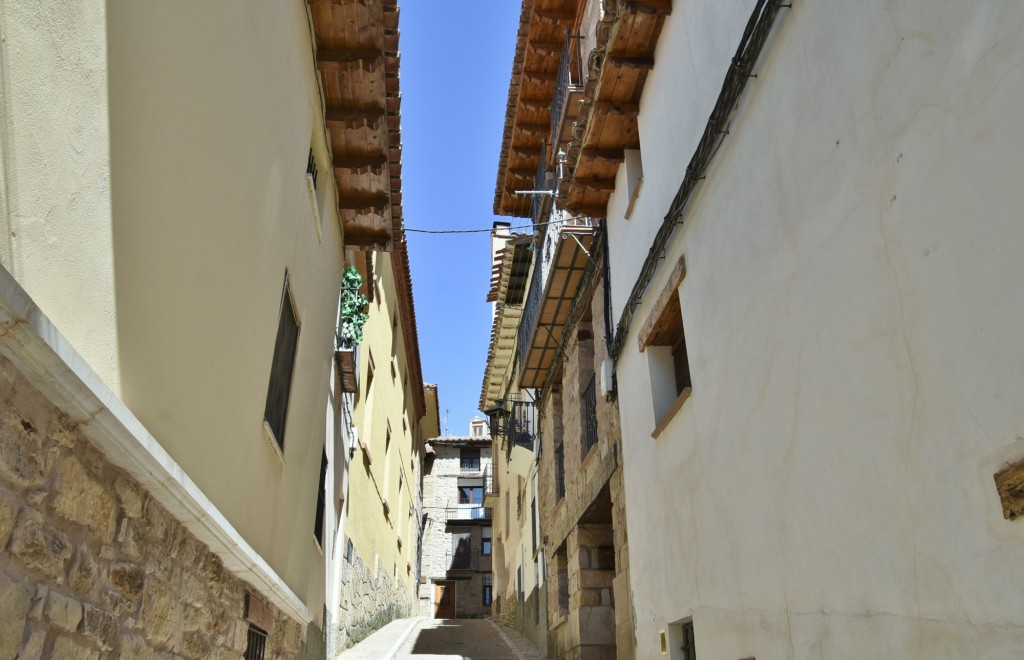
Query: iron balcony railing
x=528 y=320
x=468 y=512
x=464 y=558
x=490 y=481
x=469 y=464
x=589 y=401
x=570 y=79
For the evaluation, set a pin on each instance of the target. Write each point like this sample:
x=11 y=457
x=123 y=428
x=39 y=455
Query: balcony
x=568 y=91
x=514 y=424
x=460 y=515
x=557 y=274
x=465 y=558
x=491 y=491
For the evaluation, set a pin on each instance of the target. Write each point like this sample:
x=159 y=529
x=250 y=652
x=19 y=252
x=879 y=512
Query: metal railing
x=570 y=79
x=531 y=308
x=469 y=464
x=490 y=481
x=465 y=558
x=467 y=512
x=589 y=405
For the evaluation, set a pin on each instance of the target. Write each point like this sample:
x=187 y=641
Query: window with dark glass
x=488 y=590
x=318 y=523
x=471 y=494
x=689 y=648
x=485 y=541
x=282 y=366
x=469 y=460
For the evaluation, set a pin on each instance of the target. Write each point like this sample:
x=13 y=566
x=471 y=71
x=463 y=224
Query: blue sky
x=456 y=63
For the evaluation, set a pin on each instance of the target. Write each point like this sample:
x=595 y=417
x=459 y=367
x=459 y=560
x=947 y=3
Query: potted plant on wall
x=352 y=317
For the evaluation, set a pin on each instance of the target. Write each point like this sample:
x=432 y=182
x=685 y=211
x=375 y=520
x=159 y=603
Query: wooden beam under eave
x=554 y=15
x=540 y=77
x=631 y=62
x=357 y=161
x=530 y=152
x=590 y=210
x=547 y=47
x=606 y=155
x=617 y=108
x=354 y=115
x=652 y=7
x=597 y=185
x=365 y=204
x=366 y=240
x=339 y=56
x=535 y=105
x=542 y=129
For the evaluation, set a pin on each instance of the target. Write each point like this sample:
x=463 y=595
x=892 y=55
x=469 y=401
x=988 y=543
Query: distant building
x=457 y=537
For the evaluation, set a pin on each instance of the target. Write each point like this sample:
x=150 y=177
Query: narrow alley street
x=444 y=639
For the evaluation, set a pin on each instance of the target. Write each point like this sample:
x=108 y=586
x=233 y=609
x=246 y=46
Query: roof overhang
x=568 y=265
x=603 y=125
x=357 y=59
x=510 y=276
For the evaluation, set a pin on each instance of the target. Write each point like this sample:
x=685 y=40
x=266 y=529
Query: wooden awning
x=605 y=124
x=357 y=59
x=564 y=278
x=509 y=277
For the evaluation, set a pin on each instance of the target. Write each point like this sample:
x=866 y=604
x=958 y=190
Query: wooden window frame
x=278 y=394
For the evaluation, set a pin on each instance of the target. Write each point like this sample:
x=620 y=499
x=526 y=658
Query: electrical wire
x=491 y=229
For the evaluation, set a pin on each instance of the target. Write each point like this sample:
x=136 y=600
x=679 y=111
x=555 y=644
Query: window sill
x=268 y=435
x=667 y=418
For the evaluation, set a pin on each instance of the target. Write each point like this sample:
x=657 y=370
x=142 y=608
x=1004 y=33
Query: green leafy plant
x=353 y=305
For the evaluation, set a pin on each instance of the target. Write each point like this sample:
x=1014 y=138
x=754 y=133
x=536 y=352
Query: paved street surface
x=444 y=639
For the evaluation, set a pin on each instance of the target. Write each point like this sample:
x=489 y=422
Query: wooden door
x=444 y=600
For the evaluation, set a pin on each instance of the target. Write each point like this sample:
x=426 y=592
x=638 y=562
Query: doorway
x=444 y=600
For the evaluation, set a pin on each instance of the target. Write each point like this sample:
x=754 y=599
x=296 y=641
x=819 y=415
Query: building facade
x=519 y=565
x=810 y=349
x=458 y=536
x=182 y=192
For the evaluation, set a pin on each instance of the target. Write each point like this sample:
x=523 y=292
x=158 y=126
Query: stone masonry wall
x=586 y=478
x=368 y=602
x=91 y=566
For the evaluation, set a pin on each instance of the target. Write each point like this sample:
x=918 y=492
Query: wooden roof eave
x=556 y=12
x=595 y=102
x=563 y=284
x=367 y=172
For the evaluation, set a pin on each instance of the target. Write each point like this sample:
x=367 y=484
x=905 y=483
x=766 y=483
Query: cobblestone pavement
x=444 y=639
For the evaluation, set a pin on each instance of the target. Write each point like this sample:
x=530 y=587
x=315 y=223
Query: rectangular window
x=282 y=367
x=318 y=523
x=485 y=541
x=689 y=648
x=471 y=494
x=588 y=403
x=664 y=341
x=469 y=460
x=488 y=591
x=256 y=645
x=560 y=471
x=533 y=525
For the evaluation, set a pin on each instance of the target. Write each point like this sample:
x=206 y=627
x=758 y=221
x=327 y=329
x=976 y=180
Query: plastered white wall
x=853 y=311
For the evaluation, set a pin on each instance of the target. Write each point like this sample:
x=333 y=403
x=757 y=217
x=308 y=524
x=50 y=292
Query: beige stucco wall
x=388 y=401
x=154 y=177
x=853 y=317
